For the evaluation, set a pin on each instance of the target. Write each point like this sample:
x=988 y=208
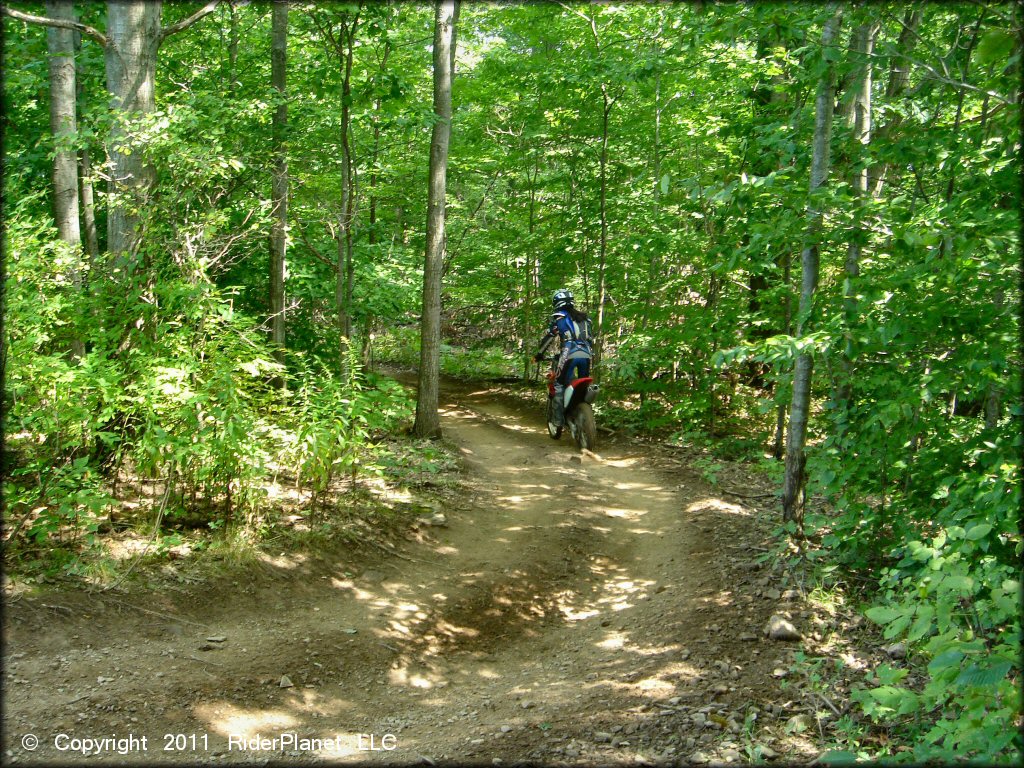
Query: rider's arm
x=549 y=337
x=544 y=344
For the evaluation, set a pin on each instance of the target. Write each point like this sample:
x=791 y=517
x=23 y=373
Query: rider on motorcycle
x=573 y=329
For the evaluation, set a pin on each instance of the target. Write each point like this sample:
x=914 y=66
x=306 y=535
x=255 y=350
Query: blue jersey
x=575 y=336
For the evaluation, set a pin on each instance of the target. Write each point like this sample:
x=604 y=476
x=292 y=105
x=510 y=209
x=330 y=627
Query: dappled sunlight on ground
x=286 y=562
x=228 y=719
x=711 y=504
x=563 y=595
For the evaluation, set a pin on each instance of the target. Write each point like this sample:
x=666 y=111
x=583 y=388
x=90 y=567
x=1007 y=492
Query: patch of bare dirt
x=574 y=609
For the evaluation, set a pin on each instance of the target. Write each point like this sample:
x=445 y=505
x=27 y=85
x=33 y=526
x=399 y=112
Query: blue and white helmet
x=561 y=299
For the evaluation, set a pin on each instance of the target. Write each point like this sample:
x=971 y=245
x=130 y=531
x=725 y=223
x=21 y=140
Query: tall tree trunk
x=428 y=422
x=133 y=35
x=946 y=246
x=859 y=120
x=793 y=490
x=603 y=251
x=233 y=50
x=60 y=45
x=652 y=261
x=372 y=236
x=343 y=287
x=279 y=182
x=530 y=285
x=88 y=199
x=85 y=175
x=899 y=76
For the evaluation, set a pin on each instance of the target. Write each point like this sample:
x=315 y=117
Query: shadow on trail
x=579 y=583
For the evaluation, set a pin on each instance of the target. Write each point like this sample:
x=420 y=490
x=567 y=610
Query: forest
x=795 y=227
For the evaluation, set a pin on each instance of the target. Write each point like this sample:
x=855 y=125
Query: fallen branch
x=59 y=608
x=750 y=495
x=206 y=661
x=158 y=613
x=152 y=537
x=396 y=554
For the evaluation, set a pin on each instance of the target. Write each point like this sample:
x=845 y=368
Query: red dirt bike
x=579 y=416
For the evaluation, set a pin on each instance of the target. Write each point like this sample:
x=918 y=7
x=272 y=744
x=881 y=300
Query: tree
x=130 y=45
x=63 y=126
x=428 y=423
x=857 y=114
x=796 y=440
x=278 y=233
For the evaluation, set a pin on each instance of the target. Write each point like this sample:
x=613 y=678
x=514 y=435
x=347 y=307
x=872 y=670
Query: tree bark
x=133 y=33
x=279 y=182
x=60 y=45
x=343 y=287
x=233 y=51
x=530 y=271
x=899 y=76
x=606 y=108
x=859 y=120
x=793 y=490
x=428 y=422
x=85 y=175
x=88 y=201
x=130 y=45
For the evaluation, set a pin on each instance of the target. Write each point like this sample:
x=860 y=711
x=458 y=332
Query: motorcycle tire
x=586 y=428
x=554 y=432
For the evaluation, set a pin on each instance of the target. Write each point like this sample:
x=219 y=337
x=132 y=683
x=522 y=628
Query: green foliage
x=705 y=115
x=178 y=387
x=336 y=426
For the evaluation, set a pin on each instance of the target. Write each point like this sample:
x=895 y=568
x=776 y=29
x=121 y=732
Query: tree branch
x=174 y=29
x=451 y=253
x=936 y=75
x=329 y=262
x=85 y=29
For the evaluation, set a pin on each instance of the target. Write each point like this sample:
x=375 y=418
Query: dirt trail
x=574 y=609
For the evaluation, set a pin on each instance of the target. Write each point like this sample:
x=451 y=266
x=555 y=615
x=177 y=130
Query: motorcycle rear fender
x=580 y=388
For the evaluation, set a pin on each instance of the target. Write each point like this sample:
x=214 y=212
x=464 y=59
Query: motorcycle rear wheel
x=586 y=428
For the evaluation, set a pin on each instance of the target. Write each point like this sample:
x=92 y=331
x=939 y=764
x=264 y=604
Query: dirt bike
x=579 y=416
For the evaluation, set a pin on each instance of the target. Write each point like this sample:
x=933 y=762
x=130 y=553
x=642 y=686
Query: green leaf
x=979 y=531
x=837 y=757
x=882 y=614
x=996 y=45
x=923 y=623
x=945 y=660
x=984 y=677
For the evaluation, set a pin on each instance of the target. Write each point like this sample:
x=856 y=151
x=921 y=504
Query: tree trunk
x=343 y=287
x=603 y=251
x=279 y=182
x=778 y=443
x=899 y=76
x=85 y=175
x=92 y=242
x=60 y=45
x=859 y=120
x=793 y=491
x=530 y=276
x=428 y=422
x=233 y=50
x=133 y=36
x=946 y=246
x=652 y=261
x=372 y=236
